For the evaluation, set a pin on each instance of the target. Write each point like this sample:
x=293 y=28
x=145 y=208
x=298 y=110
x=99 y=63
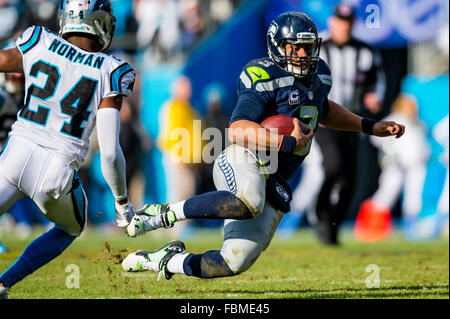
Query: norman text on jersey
x=73 y=55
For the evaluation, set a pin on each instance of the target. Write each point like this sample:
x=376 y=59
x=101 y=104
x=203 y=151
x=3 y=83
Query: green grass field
x=298 y=268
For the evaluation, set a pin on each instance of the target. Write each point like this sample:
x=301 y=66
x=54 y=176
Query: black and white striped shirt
x=355 y=70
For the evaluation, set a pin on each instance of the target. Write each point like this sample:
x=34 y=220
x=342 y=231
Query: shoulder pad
x=260 y=74
x=122 y=79
x=29 y=38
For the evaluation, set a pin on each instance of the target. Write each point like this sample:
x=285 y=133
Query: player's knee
x=240 y=255
x=72 y=230
x=254 y=202
x=236 y=170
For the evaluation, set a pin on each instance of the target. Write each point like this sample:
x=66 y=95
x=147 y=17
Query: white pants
x=237 y=170
x=28 y=170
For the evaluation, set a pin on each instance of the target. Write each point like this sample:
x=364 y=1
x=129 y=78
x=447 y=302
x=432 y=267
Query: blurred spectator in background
x=43 y=13
x=418 y=163
x=124 y=42
x=134 y=141
x=214 y=97
x=192 y=23
x=358 y=84
x=219 y=11
x=158 y=32
x=11 y=12
x=179 y=140
x=403 y=165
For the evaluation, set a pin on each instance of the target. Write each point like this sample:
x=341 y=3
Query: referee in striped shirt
x=358 y=84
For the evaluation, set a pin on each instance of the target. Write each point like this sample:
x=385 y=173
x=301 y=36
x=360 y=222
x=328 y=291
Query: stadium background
x=209 y=41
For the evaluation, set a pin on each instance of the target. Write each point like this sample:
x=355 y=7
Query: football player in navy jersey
x=293 y=81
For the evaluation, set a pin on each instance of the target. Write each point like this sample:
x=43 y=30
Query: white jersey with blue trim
x=64 y=87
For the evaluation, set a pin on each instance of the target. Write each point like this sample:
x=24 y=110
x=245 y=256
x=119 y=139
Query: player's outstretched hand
x=300 y=136
x=388 y=128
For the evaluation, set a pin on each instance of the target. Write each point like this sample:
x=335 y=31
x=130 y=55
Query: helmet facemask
x=76 y=17
x=300 y=67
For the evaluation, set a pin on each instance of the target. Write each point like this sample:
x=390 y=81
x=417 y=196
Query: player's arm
x=11 y=60
x=339 y=118
x=112 y=160
x=252 y=135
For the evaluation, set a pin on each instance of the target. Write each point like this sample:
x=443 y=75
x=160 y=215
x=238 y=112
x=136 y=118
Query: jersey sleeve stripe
x=117 y=75
x=325 y=79
x=34 y=39
x=275 y=84
x=246 y=80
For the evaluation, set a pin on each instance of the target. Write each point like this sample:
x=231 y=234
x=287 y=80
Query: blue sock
x=216 y=205
x=208 y=265
x=38 y=253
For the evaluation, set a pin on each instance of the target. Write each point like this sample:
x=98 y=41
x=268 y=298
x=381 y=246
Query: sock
x=175 y=264
x=208 y=265
x=177 y=208
x=38 y=253
x=216 y=205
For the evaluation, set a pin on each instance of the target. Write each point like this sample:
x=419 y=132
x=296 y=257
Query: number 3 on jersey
x=309 y=115
x=74 y=104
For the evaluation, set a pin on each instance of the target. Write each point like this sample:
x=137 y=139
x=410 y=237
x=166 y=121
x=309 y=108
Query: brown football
x=284 y=124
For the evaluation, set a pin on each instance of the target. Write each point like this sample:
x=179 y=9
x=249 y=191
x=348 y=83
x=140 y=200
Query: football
x=284 y=124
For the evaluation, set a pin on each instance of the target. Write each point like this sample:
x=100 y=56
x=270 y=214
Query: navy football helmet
x=298 y=30
x=94 y=17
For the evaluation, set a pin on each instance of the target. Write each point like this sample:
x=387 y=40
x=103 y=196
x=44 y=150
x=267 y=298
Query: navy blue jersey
x=265 y=89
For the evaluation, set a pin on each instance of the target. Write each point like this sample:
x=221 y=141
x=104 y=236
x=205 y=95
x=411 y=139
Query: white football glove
x=124 y=214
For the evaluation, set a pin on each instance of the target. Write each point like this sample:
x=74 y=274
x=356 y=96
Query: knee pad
x=240 y=254
x=238 y=171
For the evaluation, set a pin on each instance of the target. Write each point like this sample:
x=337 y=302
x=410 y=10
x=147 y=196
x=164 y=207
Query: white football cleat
x=150 y=217
x=137 y=261
x=154 y=260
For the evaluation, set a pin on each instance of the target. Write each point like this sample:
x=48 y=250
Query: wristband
x=367 y=125
x=288 y=144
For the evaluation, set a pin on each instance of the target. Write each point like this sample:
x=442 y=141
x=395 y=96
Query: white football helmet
x=93 y=17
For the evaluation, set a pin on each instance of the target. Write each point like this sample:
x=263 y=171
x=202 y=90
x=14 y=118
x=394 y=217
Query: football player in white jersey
x=71 y=86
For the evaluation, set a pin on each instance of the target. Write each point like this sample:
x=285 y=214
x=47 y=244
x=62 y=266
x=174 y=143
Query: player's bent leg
x=212 y=205
x=68 y=212
x=41 y=251
x=238 y=171
x=240 y=194
x=244 y=241
x=9 y=194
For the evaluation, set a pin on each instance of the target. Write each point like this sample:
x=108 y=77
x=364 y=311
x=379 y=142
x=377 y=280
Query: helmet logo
x=273 y=29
